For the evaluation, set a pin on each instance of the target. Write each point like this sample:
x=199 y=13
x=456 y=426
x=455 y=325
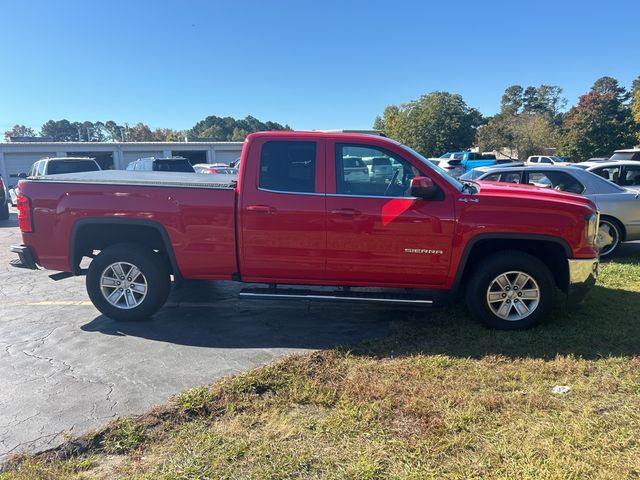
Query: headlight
x=591 y=227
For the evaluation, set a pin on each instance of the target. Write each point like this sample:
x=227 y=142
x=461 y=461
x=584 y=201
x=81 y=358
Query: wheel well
x=98 y=236
x=552 y=254
x=620 y=225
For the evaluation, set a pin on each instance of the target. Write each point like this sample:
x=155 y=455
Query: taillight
x=25 y=222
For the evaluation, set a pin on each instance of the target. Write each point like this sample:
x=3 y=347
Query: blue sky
x=311 y=64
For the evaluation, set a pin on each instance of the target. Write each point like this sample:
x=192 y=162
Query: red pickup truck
x=296 y=215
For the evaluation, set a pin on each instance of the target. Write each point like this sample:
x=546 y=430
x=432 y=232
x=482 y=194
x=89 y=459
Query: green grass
x=441 y=397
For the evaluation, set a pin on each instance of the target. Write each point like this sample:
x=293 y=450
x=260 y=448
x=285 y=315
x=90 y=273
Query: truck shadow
x=607 y=325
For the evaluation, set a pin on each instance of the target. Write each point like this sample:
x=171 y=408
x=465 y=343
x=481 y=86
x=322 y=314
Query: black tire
x=485 y=277
x=615 y=231
x=4 y=211
x=154 y=273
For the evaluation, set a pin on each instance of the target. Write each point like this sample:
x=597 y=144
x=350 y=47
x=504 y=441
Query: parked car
x=4 y=200
x=13 y=196
x=453 y=167
x=168 y=164
x=598 y=159
x=60 y=165
x=355 y=169
x=215 y=168
x=625 y=173
x=546 y=160
x=287 y=222
x=619 y=207
x=380 y=168
x=479 y=171
x=627 y=154
x=469 y=160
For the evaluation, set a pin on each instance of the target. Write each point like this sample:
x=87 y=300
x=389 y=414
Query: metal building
x=17 y=157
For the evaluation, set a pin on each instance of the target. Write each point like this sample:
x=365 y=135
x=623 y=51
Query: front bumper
x=583 y=273
x=25 y=257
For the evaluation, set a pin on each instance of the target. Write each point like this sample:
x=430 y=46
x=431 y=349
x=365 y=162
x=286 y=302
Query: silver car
x=625 y=173
x=619 y=207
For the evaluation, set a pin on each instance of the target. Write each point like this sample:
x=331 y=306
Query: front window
x=385 y=174
x=609 y=173
x=631 y=176
x=287 y=166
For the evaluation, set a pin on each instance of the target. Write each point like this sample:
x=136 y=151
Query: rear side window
x=534 y=159
x=288 y=166
x=70 y=166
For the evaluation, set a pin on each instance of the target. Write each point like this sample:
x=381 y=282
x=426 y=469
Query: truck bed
x=160 y=179
x=195 y=212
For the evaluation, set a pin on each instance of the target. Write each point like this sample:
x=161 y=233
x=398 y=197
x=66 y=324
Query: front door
x=376 y=232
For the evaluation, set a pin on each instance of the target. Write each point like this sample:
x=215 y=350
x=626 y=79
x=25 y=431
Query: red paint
x=320 y=238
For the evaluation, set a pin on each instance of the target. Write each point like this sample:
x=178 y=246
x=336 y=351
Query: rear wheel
x=609 y=236
x=128 y=282
x=511 y=290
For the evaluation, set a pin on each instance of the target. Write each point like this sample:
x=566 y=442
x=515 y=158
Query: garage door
x=16 y=163
x=226 y=156
x=133 y=156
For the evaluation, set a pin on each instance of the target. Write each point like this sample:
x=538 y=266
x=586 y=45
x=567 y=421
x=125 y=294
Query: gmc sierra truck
x=294 y=219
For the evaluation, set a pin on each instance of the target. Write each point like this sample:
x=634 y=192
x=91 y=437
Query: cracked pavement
x=66 y=370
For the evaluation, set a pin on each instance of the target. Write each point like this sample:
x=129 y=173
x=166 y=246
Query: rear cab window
x=288 y=166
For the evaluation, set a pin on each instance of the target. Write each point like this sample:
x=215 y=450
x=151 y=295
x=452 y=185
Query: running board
x=335 y=295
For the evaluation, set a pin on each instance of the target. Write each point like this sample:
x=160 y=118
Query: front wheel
x=510 y=290
x=609 y=237
x=128 y=282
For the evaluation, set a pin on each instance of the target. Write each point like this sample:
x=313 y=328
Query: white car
x=546 y=160
x=450 y=165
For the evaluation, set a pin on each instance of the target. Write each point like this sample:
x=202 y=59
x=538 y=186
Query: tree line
x=530 y=120
x=217 y=128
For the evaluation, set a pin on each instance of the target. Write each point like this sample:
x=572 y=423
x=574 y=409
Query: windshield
x=471 y=174
x=557 y=159
x=625 y=156
x=71 y=166
x=445 y=176
x=173 y=166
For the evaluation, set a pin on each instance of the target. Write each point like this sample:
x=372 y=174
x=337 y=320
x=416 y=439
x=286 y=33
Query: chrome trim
x=334 y=297
x=315 y=194
x=581 y=270
x=368 y=196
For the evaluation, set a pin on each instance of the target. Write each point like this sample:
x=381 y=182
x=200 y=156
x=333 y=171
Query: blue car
x=470 y=160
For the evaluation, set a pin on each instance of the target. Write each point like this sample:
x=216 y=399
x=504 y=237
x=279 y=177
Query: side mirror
x=423 y=187
x=22 y=176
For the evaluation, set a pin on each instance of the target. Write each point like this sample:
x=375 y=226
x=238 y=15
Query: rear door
x=377 y=234
x=282 y=229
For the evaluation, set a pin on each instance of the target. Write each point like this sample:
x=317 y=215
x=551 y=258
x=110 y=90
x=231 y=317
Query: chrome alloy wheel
x=513 y=295
x=123 y=285
x=607 y=238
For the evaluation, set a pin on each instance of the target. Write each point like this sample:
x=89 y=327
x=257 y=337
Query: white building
x=17 y=157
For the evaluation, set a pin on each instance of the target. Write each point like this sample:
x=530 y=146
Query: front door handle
x=261 y=209
x=346 y=212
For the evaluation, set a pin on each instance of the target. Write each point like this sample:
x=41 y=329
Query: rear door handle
x=261 y=209
x=346 y=212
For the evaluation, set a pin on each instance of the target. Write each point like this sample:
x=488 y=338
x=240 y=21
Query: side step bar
x=334 y=295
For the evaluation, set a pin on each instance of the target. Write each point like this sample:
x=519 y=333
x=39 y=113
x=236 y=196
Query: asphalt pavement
x=65 y=369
